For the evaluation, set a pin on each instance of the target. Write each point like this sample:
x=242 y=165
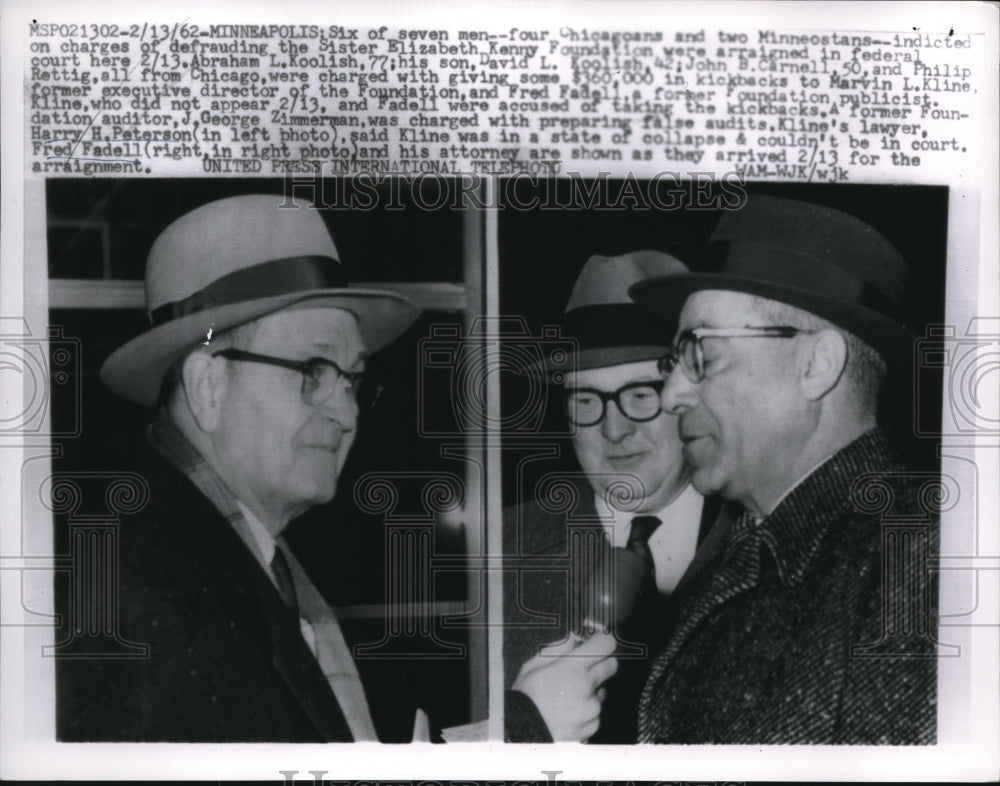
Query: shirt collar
x=262 y=538
x=620 y=521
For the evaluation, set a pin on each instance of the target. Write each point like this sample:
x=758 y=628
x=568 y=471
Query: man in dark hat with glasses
x=607 y=548
x=814 y=617
x=254 y=358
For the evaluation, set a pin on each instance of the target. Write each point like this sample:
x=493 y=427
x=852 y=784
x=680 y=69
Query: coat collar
x=732 y=564
x=543 y=524
x=795 y=529
x=203 y=528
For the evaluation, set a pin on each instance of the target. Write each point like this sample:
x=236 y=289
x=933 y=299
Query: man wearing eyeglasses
x=254 y=360
x=633 y=495
x=813 y=618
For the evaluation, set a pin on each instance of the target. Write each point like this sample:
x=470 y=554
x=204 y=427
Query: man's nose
x=342 y=407
x=615 y=425
x=679 y=393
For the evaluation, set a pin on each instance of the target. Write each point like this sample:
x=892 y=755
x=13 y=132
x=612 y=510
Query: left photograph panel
x=267 y=511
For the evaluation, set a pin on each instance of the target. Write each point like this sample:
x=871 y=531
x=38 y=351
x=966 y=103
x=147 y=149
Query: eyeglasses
x=320 y=376
x=690 y=354
x=638 y=401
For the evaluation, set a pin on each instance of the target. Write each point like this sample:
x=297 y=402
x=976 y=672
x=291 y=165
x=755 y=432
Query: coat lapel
x=298 y=668
x=334 y=655
x=716 y=521
x=206 y=533
x=712 y=512
x=730 y=562
x=730 y=568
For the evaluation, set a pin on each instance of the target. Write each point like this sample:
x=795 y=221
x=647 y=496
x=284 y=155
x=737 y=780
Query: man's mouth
x=694 y=444
x=329 y=448
x=625 y=458
x=688 y=435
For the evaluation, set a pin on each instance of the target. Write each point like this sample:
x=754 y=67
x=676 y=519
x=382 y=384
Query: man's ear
x=205 y=381
x=824 y=364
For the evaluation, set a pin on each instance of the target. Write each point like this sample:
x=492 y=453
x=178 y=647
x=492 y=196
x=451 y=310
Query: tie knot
x=642 y=527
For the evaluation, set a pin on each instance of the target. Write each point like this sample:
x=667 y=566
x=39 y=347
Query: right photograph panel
x=722 y=484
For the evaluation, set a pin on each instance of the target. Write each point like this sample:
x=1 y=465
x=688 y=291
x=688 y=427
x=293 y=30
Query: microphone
x=611 y=590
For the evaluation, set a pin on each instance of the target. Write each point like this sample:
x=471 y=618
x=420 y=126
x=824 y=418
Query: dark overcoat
x=226 y=659
x=817 y=625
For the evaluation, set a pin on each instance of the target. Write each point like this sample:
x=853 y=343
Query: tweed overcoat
x=226 y=661
x=816 y=626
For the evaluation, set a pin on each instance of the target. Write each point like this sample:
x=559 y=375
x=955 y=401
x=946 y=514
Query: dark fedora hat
x=604 y=325
x=812 y=257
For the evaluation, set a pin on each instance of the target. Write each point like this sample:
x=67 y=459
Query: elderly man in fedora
x=253 y=359
x=799 y=628
x=633 y=494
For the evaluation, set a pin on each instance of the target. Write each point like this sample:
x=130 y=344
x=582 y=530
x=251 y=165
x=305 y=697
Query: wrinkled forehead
x=330 y=332
x=716 y=308
x=613 y=377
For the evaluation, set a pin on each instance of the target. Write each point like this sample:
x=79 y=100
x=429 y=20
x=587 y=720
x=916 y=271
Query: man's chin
x=705 y=482
x=321 y=491
x=622 y=492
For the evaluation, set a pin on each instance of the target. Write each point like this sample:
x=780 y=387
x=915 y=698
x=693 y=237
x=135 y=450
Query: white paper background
x=968 y=724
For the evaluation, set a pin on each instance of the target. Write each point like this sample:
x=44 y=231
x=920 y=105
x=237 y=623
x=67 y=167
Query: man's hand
x=564 y=681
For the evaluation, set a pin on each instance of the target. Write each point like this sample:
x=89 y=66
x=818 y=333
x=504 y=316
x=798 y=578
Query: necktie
x=636 y=605
x=283 y=575
x=638 y=539
x=633 y=569
x=619 y=577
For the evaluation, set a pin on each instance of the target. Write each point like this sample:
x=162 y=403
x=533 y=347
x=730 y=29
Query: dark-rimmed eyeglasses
x=320 y=376
x=690 y=355
x=638 y=401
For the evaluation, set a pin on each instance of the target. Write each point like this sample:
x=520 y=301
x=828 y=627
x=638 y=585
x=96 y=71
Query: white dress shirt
x=672 y=544
x=266 y=546
x=334 y=656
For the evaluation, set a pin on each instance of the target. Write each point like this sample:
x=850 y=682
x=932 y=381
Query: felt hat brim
x=135 y=370
x=556 y=365
x=666 y=294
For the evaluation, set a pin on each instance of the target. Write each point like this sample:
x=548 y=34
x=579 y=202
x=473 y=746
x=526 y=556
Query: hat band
x=267 y=279
x=787 y=268
x=615 y=325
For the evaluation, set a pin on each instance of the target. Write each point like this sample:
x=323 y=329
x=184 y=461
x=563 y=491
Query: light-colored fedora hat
x=232 y=261
x=605 y=325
